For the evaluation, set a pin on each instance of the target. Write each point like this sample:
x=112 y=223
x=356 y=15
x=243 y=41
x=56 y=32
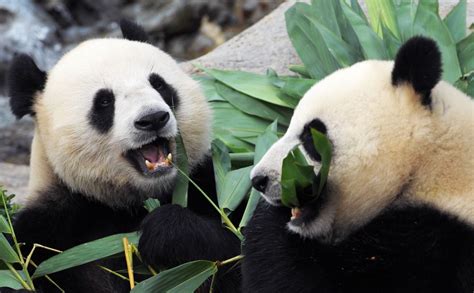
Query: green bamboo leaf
x=85 y=253
x=7 y=253
x=239 y=124
x=431 y=5
x=357 y=9
x=236 y=187
x=234 y=144
x=323 y=145
x=7 y=280
x=344 y=53
x=309 y=43
x=180 y=191
x=252 y=84
x=4 y=226
x=325 y=14
x=295 y=87
x=184 y=278
x=430 y=24
x=221 y=163
x=151 y=204
x=383 y=13
x=264 y=142
x=405 y=11
x=252 y=106
x=347 y=32
x=372 y=45
x=299 y=69
x=391 y=42
x=294 y=176
x=456 y=21
x=207 y=84
x=254 y=198
x=465 y=50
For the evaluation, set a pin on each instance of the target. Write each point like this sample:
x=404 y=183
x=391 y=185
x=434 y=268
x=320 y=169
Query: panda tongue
x=151 y=153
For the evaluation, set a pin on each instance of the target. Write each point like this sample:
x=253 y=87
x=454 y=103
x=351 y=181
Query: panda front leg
x=276 y=260
x=172 y=235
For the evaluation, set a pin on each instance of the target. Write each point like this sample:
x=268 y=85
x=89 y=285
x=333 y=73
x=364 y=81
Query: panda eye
x=307 y=139
x=166 y=91
x=105 y=102
x=104 y=98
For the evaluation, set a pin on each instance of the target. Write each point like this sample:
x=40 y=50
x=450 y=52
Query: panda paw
x=172 y=235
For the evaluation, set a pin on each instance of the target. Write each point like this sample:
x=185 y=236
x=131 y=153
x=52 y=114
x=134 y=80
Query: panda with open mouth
x=107 y=117
x=397 y=211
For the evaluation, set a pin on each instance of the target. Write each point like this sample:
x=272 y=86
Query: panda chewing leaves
x=106 y=118
x=397 y=211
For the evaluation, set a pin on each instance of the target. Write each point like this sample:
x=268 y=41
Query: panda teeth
x=169 y=159
x=295 y=213
x=150 y=166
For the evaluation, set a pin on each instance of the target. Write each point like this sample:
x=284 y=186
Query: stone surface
x=14 y=178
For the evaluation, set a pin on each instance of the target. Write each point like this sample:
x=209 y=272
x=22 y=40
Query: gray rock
x=14 y=178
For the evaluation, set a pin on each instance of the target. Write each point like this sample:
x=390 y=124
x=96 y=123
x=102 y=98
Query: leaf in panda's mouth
x=301 y=188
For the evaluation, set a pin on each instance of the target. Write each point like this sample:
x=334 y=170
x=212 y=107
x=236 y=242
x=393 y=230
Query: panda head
x=378 y=116
x=107 y=115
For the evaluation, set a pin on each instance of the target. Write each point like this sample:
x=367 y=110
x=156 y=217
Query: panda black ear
x=24 y=80
x=418 y=62
x=132 y=31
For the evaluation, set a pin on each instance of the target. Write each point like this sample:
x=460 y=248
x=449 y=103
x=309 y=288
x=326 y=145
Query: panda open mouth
x=152 y=158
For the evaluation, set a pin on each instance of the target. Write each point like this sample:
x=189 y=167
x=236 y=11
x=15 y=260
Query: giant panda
x=397 y=211
x=106 y=118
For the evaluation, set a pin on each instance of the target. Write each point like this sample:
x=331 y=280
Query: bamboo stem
x=129 y=260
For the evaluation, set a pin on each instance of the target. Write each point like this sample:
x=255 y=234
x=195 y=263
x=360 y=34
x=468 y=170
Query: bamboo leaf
x=85 y=253
x=347 y=32
x=221 y=163
x=405 y=10
x=4 y=226
x=372 y=45
x=252 y=203
x=7 y=280
x=299 y=69
x=465 y=50
x=252 y=106
x=207 y=84
x=180 y=191
x=252 y=84
x=325 y=14
x=391 y=42
x=7 y=253
x=323 y=146
x=151 y=204
x=309 y=43
x=295 y=176
x=184 y=278
x=235 y=122
x=456 y=21
x=383 y=13
x=236 y=187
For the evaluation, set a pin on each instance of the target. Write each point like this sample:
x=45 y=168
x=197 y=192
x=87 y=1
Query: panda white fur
x=397 y=212
x=106 y=114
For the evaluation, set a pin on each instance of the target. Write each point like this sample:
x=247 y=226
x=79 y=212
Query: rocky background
x=184 y=28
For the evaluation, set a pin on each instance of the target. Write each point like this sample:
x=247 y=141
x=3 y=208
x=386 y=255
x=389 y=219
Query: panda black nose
x=260 y=182
x=153 y=122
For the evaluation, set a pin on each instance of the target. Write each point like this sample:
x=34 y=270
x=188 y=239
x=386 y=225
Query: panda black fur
x=397 y=212
x=103 y=109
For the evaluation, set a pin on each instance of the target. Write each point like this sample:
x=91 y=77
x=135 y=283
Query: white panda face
x=377 y=131
x=109 y=114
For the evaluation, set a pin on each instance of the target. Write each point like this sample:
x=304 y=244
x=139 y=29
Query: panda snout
x=152 y=122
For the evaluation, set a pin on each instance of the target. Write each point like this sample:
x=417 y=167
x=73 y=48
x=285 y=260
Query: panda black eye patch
x=167 y=92
x=307 y=139
x=101 y=115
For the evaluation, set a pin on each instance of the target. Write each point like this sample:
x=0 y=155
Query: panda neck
x=445 y=178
